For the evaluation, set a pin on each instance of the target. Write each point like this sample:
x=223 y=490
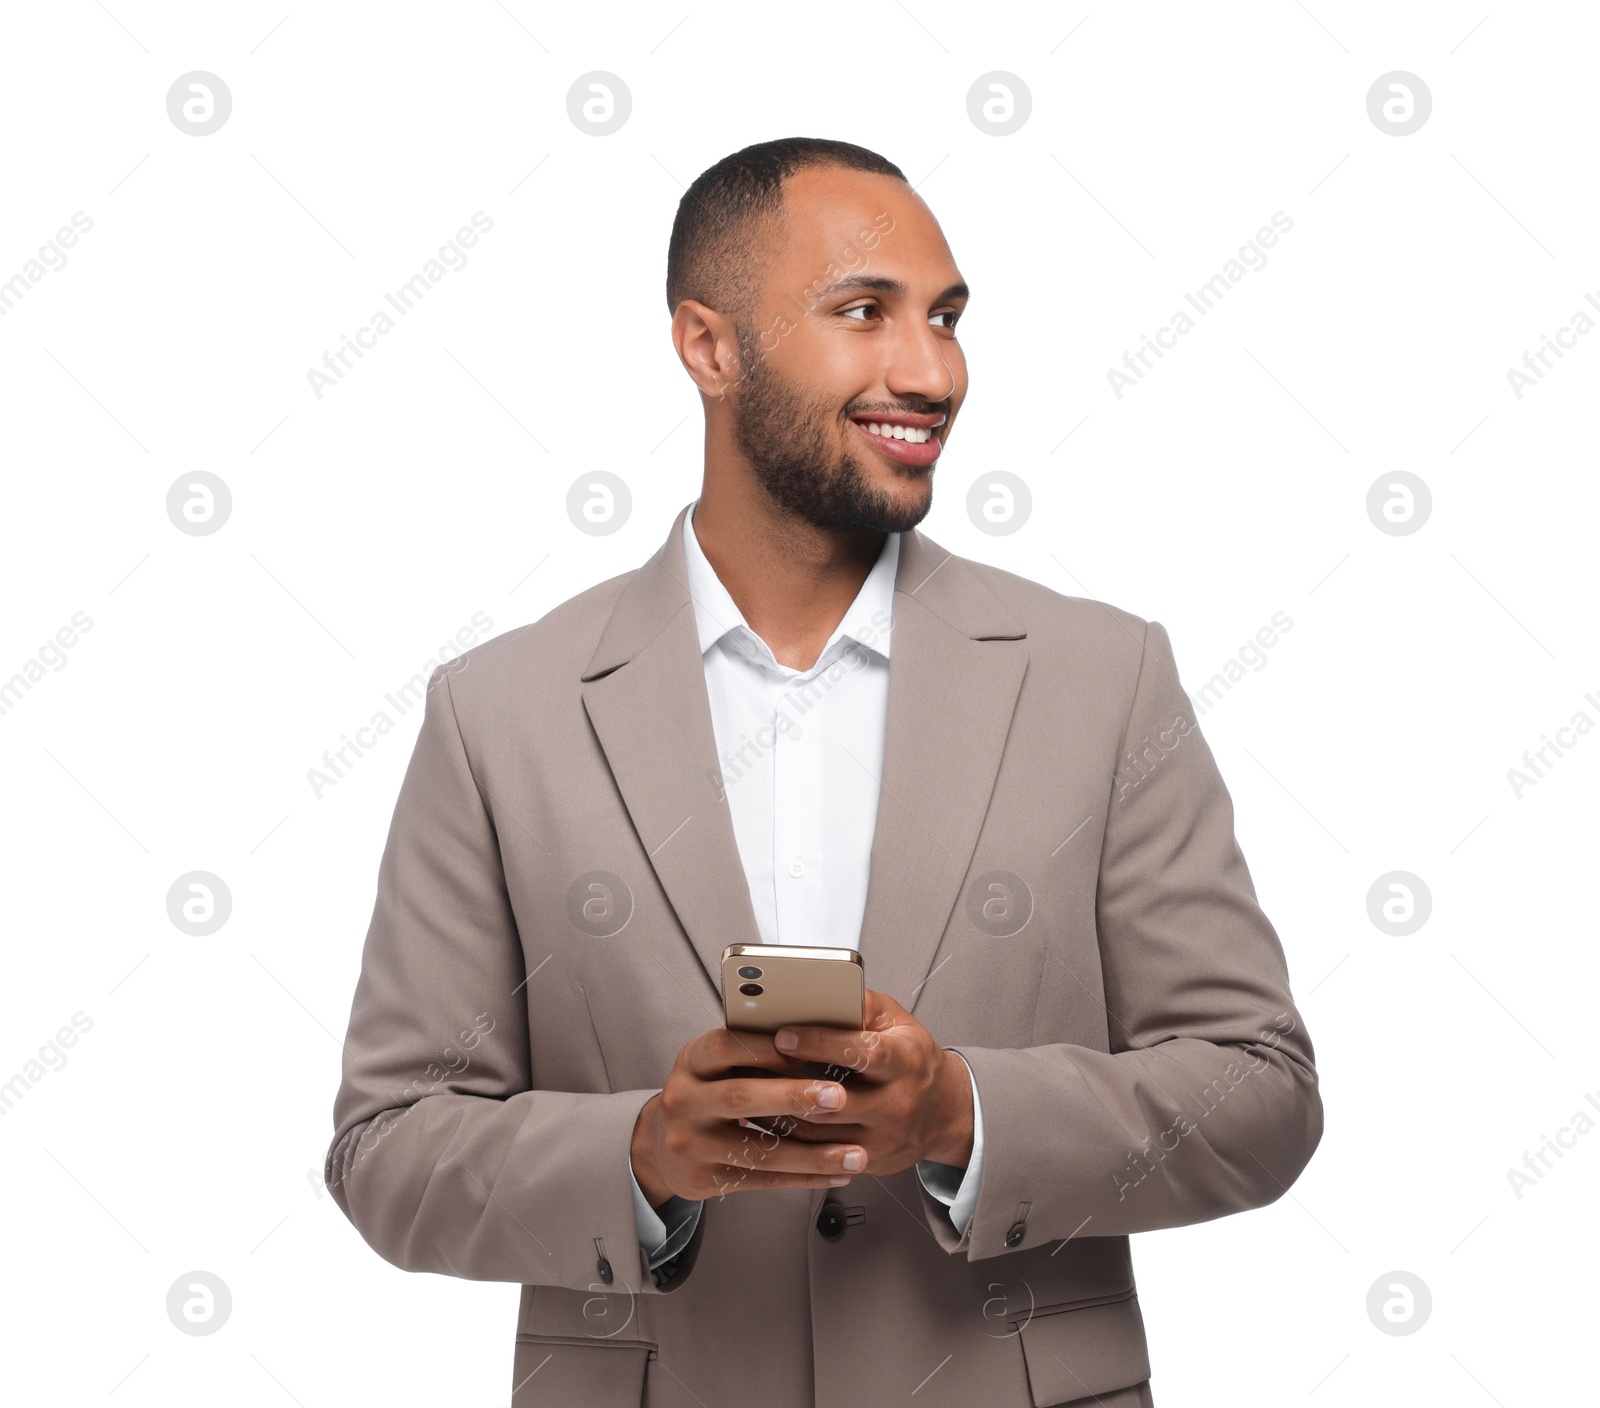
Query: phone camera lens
x=751 y=989
x=749 y=971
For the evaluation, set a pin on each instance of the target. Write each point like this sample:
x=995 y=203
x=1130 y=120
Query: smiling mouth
x=886 y=430
x=907 y=440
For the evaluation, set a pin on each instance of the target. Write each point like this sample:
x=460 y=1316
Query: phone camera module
x=751 y=989
x=749 y=971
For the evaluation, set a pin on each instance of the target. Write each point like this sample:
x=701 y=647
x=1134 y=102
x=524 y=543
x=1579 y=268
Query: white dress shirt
x=801 y=753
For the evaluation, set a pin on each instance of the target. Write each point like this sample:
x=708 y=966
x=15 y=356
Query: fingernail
x=787 y=1041
x=855 y=1161
x=835 y=1180
x=830 y=1097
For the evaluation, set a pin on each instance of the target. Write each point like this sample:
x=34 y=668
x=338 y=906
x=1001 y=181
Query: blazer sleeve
x=1207 y=1102
x=445 y=1157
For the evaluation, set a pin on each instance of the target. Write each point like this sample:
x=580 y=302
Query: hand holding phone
x=699 y=1137
x=687 y=1138
x=908 y=1098
x=768 y=986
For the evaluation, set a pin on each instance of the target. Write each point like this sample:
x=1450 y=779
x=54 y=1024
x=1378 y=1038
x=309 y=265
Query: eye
x=950 y=314
x=860 y=308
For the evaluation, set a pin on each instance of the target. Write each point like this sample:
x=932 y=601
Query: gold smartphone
x=767 y=986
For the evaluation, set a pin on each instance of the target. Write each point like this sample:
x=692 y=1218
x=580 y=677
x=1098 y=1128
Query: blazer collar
x=954 y=677
x=716 y=613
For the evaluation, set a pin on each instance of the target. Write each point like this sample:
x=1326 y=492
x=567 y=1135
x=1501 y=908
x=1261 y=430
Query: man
x=803 y=721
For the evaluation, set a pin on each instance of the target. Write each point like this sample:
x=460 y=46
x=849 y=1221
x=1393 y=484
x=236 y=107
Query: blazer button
x=830 y=1221
x=1015 y=1234
x=604 y=1268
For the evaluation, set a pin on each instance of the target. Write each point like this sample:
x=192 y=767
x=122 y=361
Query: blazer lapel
x=646 y=697
x=951 y=697
x=952 y=690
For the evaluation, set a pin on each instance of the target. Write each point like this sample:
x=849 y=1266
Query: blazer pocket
x=569 y=1371
x=1076 y=1351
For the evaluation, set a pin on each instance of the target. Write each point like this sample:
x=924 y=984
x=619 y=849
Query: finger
x=745 y=1180
x=861 y=1052
x=875 y=1052
x=812 y=1129
x=755 y=1150
x=810 y=1132
x=882 y=1011
x=760 y=1097
x=714 y=1053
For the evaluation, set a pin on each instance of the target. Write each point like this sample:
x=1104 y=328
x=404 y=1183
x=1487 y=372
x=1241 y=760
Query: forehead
x=835 y=216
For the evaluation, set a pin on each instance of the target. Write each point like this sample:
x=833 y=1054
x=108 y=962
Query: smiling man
x=802 y=721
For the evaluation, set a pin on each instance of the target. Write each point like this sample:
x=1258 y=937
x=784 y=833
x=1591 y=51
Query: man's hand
x=908 y=1097
x=688 y=1140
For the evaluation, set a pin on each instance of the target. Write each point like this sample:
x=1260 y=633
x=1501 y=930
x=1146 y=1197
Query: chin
x=909 y=504
x=913 y=489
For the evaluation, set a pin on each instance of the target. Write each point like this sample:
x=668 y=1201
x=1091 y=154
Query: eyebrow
x=882 y=283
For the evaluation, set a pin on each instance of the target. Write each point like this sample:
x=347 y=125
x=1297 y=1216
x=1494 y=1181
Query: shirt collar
x=868 y=622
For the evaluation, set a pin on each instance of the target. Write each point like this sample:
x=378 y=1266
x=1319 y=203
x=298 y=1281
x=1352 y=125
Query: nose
x=921 y=365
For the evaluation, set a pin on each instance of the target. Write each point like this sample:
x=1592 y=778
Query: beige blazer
x=1055 y=892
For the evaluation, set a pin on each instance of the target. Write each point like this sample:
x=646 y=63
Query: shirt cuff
x=955 y=1187
x=681 y=1215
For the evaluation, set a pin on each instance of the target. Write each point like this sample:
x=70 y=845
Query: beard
x=784 y=435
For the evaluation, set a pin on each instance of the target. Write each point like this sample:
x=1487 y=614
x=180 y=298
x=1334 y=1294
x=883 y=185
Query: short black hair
x=715 y=234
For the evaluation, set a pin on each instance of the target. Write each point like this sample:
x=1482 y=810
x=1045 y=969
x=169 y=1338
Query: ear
x=708 y=347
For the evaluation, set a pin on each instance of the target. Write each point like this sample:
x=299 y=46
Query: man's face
x=854 y=328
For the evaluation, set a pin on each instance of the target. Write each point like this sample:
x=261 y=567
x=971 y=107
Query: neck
x=792 y=580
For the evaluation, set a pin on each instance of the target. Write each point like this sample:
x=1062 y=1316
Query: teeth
x=912 y=435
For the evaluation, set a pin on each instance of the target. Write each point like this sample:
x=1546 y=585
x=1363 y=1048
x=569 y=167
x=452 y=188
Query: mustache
x=925 y=408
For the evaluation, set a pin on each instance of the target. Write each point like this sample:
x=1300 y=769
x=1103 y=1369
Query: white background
x=186 y=1129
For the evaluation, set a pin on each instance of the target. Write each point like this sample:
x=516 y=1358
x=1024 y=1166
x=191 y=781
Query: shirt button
x=1015 y=1233
x=797 y=868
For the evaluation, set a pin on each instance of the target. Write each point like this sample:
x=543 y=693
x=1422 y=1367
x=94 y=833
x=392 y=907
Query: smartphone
x=767 y=986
